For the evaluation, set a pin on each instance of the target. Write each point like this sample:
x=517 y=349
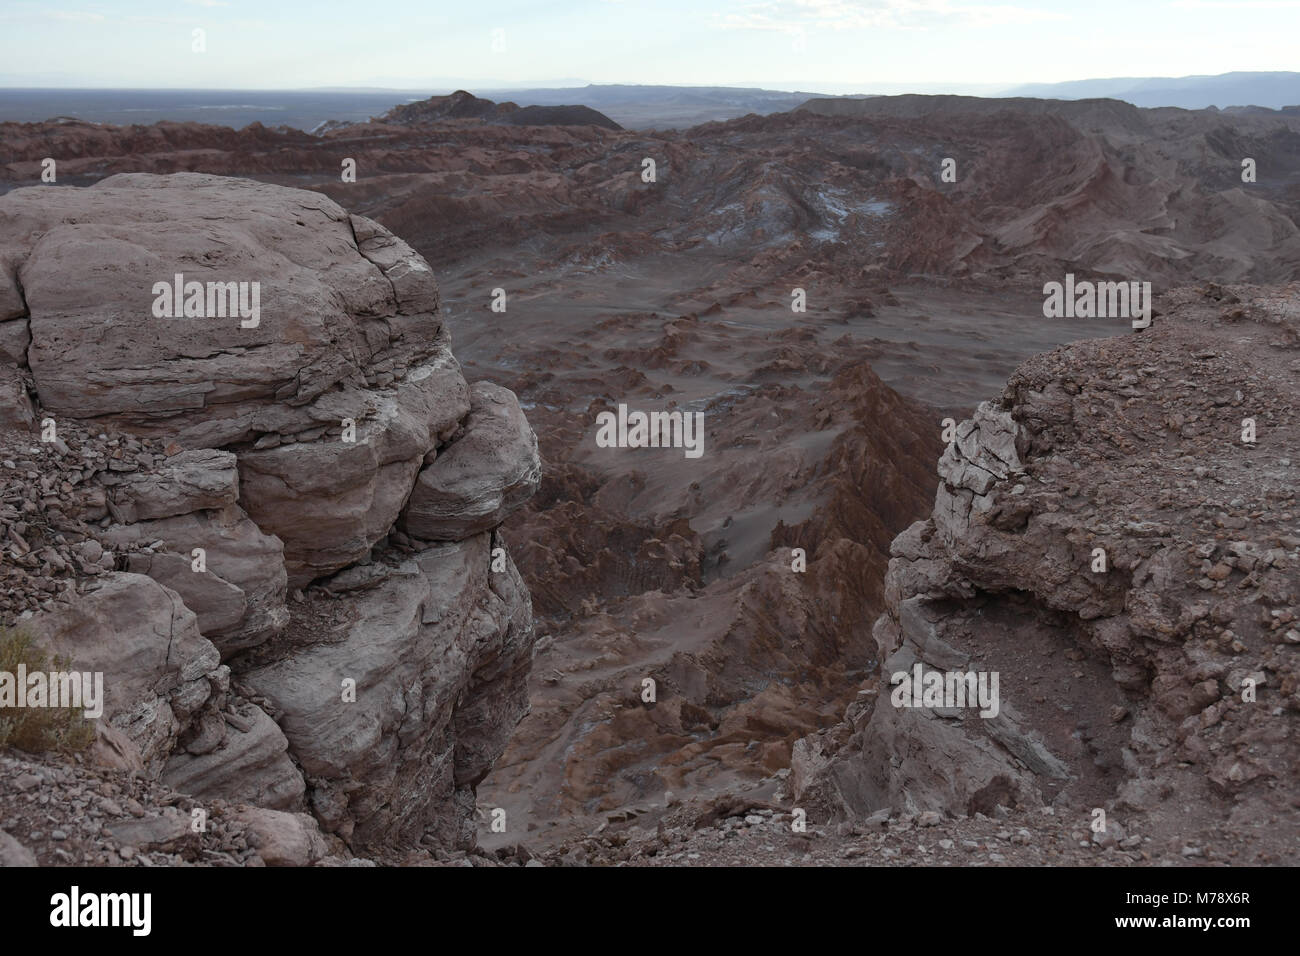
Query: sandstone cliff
x=207 y=507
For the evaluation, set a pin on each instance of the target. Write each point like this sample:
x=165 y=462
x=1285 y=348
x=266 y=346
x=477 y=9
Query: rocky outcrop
x=307 y=321
x=235 y=479
x=461 y=105
x=1106 y=542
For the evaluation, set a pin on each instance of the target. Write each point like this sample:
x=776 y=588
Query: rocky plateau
x=443 y=531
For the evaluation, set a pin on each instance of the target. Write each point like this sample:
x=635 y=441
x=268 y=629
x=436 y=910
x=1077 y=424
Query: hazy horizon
x=486 y=87
x=833 y=46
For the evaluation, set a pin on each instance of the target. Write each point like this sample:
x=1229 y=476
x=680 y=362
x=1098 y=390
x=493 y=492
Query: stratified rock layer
x=403 y=710
x=332 y=499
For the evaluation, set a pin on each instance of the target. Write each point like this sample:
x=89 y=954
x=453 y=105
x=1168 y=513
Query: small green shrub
x=38 y=729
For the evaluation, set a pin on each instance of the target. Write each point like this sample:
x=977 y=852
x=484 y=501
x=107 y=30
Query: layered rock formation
x=219 y=489
x=1105 y=540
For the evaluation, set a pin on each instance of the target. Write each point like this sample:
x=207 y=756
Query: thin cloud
x=797 y=15
x=74 y=16
x=1236 y=4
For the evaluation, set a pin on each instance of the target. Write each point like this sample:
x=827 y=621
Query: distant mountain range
x=663 y=107
x=1271 y=90
x=631 y=106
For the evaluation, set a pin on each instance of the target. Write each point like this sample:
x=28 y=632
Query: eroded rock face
x=266 y=451
x=439 y=653
x=1105 y=541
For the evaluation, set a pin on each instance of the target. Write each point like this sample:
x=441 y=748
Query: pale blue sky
x=827 y=45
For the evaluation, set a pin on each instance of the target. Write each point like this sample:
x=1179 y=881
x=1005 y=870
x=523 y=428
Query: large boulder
x=282 y=839
x=159 y=673
x=345 y=335
x=482 y=476
x=326 y=314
